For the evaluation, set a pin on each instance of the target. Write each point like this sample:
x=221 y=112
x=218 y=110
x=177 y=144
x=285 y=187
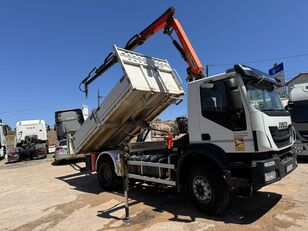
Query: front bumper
x=24 y=154
x=263 y=172
x=30 y=153
x=279 y=166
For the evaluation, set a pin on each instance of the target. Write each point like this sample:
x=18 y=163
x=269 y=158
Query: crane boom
x=167 y=22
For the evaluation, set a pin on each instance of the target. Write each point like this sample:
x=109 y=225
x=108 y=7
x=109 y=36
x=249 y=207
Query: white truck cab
x=298 y=108
x=30 y=128
x=31 y=141
x=238 y=111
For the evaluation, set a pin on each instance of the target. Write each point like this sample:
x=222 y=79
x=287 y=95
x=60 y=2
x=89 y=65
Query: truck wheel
x=4 y=152
x=45 y=152
x=208 y=190
x=106 y=175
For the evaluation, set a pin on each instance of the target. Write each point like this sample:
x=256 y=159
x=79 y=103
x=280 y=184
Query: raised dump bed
x=147 y=87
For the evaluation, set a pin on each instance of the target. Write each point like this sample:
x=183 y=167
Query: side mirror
x=235 y=101
x=231 y=84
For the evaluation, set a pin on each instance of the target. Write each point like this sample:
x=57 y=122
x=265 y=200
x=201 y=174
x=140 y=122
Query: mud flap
x=90 y=160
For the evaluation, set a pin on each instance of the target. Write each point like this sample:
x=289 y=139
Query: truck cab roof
x=299 y=92
x=240 y=69
x=29 y=122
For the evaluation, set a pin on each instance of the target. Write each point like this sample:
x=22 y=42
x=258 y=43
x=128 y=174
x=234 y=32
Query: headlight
x=269 y=176
x=270 y=163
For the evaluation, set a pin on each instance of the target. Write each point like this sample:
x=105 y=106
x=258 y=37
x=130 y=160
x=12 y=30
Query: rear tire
x=45 y=152
x=4 y=152
x=208 y=190
x=107 y=177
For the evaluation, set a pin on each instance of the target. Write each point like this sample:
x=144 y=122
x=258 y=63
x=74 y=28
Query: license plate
x=289 y=168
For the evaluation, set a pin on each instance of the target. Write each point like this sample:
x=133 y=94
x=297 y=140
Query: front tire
x=208 y=189
x=107 y=177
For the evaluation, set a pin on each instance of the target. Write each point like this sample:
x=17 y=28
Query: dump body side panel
x=147 y=88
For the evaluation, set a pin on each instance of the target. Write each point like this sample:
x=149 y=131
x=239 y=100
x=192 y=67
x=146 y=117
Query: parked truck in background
x=67 y=122
x=31 y=141
x=298 y=108
x=237 y=136
x=3 y=133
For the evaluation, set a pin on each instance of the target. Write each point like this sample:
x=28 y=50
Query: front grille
x=281 y=137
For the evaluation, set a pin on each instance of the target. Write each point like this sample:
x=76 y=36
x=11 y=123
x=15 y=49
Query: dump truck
x=3 y=133
x=237 y=136
x=298 y=108
x=31 y=141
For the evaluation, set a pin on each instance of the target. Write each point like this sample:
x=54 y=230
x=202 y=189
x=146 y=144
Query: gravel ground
x=38 y=195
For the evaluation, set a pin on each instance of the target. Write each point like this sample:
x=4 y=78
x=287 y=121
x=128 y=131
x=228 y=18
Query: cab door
x=224 y=120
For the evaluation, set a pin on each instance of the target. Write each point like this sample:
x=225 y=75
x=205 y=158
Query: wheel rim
x=202 y=189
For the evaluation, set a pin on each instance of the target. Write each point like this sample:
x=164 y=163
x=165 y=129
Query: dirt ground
x=38 y=195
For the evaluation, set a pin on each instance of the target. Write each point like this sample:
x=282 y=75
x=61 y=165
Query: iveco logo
x=282 y=125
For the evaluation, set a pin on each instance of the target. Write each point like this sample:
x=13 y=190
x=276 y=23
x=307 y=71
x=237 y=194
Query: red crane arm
x=195 y=69
x=167 y=22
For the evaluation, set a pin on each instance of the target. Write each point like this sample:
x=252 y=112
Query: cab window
x=215 y=107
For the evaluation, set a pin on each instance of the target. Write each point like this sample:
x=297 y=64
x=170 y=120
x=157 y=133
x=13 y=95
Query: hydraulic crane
x=169 y=24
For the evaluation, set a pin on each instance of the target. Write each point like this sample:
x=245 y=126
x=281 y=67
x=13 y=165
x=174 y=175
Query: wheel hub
x=202 y=189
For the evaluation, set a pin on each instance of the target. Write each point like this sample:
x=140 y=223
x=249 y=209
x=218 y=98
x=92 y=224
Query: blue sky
x=48 y=47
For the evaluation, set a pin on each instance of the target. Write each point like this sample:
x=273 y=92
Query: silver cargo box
x=147 y=88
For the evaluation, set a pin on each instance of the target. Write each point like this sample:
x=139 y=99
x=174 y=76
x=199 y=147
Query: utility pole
x=99 y=99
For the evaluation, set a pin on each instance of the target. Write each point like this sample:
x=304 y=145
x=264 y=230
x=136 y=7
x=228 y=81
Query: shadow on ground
x=302 y=159
x=67 y=162
x=4 y=164
x=240 y=211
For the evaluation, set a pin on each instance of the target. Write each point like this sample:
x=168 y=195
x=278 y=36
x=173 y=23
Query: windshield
x=263 y=95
